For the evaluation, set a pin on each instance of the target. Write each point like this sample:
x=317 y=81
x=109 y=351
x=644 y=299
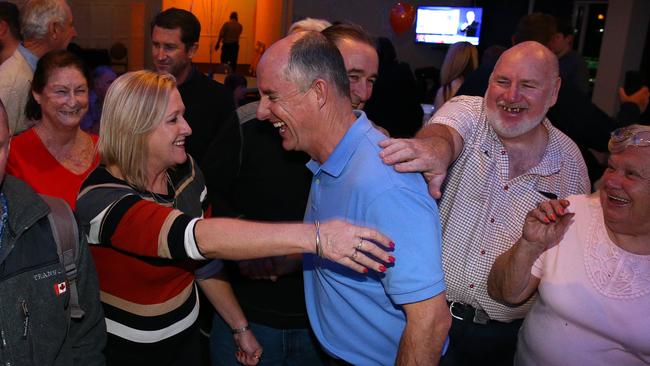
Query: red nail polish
x=382 y=268
x=391 y=259
x=365 y=270
x=553 y=217
x=391 y=245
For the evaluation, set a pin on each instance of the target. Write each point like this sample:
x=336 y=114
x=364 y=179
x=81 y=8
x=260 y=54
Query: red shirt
x=30 y=161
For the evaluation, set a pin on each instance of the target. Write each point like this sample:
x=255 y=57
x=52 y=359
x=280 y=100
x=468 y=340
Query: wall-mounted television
x=448 y=25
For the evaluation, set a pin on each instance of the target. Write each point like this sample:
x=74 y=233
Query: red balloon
x=402 y=16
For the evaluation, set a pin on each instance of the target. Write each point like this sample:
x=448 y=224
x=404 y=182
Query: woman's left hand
x=355 y=247
x=249 y=351
x=546 y=224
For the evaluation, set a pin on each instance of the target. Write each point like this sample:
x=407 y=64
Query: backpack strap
x=66 y=235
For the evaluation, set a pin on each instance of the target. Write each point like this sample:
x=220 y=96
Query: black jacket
x=35 y=323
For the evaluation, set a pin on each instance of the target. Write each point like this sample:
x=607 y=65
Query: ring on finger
x=358 y=247
x=354 y=255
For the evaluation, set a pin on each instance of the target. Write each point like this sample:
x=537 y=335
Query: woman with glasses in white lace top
x=588 y=257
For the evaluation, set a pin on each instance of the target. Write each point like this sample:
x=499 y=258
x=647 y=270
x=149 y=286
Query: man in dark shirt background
x=208 y=104
x=229 y=34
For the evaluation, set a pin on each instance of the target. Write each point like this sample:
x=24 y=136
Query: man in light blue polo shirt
x=398 y=316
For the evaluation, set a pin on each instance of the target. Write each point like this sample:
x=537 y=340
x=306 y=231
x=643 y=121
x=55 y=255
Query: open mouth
x=179 y=143
x=511 y=109
x=280 y=125
x=72 y=113
x=618 y=200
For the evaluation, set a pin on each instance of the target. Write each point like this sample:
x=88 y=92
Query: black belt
x=468 y=313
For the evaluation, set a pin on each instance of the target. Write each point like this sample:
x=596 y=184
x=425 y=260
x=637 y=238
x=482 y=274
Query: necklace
x=165 y=201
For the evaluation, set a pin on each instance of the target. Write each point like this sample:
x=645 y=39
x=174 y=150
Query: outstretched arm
x=169 y=233
x=238 y=239
x=431 y=152
x=510 y=280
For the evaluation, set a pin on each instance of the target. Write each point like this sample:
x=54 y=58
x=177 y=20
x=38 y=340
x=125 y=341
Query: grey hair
x=309 y=24
x=37 y=15
x=313 y=57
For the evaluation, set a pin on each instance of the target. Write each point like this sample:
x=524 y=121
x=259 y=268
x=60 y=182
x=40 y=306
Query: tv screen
x=448 y=25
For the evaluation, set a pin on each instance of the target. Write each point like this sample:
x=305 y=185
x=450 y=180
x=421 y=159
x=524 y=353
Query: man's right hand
x=419 y=155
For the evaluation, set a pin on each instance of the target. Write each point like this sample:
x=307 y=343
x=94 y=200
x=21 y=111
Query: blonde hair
x=461 y=59
x=135 y=104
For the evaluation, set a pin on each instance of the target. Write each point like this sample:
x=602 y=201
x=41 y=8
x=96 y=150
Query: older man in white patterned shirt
x=498 y=157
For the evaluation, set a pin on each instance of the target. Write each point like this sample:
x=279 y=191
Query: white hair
x=37 y=15
x=309 y=24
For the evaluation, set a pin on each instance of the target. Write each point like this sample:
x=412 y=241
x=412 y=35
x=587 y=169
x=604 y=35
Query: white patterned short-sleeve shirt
x=482 y=211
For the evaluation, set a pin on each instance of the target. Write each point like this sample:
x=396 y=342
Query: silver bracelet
x=319 y=248
x=241 y=330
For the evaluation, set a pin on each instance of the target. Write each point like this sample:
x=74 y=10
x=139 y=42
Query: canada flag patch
x=60 y=288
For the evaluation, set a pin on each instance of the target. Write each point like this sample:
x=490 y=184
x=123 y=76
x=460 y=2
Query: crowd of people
x=297 y=229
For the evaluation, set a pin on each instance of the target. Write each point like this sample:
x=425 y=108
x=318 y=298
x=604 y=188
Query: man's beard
x=524 y=125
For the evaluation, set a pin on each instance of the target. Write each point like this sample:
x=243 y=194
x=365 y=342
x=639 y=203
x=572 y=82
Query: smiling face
x=282 y=103
x=361 y=63
x=523 y=86
x=64 y=99
x=625 y=192
x=166 y=142
x=169 y=52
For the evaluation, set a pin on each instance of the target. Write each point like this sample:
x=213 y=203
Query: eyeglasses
x=629 y=136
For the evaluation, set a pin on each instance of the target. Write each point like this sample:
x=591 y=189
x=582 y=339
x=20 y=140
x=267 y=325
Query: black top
x=574 y=70
x=394 y=103
x=273 y=185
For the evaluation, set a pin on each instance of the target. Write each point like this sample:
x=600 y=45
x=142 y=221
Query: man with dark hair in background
x=208 y=104
x=229 y=34
x=573 y=68
x=360 y=58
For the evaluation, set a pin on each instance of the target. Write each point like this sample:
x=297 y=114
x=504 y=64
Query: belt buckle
x=480 y=317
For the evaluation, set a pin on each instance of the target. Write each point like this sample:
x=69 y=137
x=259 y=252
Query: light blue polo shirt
x=358 y=317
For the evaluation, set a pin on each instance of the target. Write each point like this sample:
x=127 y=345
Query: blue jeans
x=282 y=347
